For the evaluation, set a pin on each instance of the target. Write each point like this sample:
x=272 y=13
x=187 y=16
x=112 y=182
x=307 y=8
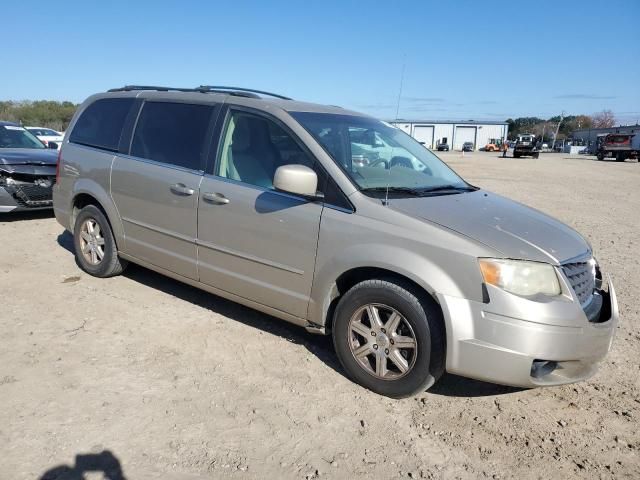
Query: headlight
x=520 y=277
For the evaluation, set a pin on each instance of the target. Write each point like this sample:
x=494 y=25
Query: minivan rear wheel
x=387 y=339
x=96 y=251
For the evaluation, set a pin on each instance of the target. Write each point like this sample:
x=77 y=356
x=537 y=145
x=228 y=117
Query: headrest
x=241 y=137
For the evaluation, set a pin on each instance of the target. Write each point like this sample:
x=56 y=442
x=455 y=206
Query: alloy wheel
x=382 y=341
x=91 y=241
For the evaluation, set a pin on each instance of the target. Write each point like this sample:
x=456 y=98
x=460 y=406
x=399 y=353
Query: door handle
x=215 y=198
x=181 y=189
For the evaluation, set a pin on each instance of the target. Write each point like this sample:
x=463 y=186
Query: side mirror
x=296 y=179
x=52 y=145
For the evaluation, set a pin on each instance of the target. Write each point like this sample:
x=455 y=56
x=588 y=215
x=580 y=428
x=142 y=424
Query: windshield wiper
x=442 y=188
x=411 y=191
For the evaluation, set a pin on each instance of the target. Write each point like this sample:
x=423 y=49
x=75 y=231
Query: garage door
x=464 y=134
x=424 y=134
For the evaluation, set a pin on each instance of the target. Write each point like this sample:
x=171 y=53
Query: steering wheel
x=403 y=162
x=377 y=162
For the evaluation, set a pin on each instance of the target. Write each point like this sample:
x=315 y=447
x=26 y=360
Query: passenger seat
x=252 y=157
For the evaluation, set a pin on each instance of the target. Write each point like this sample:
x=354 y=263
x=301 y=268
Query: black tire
x=600 y=156
x=621 y=157
x=516 y=155
x=536 y=155
x=110 y=264
x=424 y=318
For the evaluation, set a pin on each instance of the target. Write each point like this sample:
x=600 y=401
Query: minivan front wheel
x=96 y=251
x=387 y=339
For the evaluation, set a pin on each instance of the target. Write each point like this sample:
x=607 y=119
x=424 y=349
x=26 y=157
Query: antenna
x=386 y=195
x=400 y=90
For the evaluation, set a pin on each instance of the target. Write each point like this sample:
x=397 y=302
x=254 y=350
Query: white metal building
x=433 y=132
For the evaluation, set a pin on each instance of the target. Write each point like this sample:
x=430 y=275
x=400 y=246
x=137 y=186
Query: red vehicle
x=619 y=146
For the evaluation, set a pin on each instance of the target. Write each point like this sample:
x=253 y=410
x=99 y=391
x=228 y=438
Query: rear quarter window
x=100 y=124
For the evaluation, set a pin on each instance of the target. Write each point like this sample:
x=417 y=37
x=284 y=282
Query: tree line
x=40 y=113
x=568 y=124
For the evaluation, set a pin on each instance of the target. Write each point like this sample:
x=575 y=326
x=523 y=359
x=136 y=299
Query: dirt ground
x=144 y=377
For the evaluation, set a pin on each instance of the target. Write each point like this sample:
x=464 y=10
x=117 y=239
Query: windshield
x=377 y=155
x=12 y=136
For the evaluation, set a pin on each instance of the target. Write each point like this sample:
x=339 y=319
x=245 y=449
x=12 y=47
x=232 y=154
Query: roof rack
x=239 y=91
x=236 y=91
x=129 y=88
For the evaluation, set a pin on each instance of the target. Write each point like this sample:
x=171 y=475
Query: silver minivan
x=339 y=223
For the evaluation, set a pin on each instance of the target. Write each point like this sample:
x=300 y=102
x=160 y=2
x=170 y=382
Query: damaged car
x=27 y=170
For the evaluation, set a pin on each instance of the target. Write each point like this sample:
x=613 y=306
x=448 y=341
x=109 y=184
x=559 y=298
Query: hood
x=512 y=229
x=28 y=156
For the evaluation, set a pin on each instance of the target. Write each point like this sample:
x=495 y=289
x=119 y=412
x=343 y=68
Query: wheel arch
x=88 y=192
x=426 y=296
x=354 y=275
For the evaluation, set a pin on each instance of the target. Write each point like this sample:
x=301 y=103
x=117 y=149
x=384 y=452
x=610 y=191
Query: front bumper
x=488 y=345
x=24 y=197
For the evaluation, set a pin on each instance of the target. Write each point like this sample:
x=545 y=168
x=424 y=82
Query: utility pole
x=553 y=147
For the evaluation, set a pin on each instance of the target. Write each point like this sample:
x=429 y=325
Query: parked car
x=46 y=135
x=27 y=170
x=468 y=147
x=443 y=147
x=413 y=271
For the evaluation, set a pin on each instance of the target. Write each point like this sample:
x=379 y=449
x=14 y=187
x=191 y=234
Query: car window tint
x=172 y=133
x=253 y=147
x=100 y=125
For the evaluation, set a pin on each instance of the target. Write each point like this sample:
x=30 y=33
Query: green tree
x=40 y=113
x=522 y=125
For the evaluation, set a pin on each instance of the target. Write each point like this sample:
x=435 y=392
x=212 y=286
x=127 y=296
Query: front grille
x=31 y=194
x=581 y=276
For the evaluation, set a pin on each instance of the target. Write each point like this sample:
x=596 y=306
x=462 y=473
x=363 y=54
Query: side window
x=100 y=125
x=332 y=194
x=172 y=133
x=253 y=147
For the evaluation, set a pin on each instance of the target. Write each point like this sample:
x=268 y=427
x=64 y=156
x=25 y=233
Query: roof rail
x=129 y=88
x=238 y=91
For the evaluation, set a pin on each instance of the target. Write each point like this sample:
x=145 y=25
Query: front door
x=253 y=241
x=156 y=187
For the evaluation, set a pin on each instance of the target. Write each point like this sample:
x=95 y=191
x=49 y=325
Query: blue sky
x=463 y=59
